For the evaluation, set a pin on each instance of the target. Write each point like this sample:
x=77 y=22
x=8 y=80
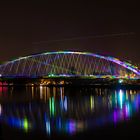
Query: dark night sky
x=33 y=27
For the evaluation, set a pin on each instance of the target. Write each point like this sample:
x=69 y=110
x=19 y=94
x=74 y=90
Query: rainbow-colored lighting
x=50 y=61
x=67 y=114
x=17 y=122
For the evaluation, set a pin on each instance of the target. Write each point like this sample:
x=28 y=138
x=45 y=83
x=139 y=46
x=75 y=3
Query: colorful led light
x=25 y=124
x=111 y=59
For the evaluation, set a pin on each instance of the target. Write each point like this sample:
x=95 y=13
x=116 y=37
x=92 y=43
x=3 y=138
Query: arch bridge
x=69 y=64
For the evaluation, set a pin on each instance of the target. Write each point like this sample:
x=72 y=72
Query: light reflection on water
x=66 y=111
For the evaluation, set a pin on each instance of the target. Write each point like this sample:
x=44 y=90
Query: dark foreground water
x=68 y=113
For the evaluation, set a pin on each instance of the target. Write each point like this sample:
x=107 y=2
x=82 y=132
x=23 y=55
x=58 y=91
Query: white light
x=48 y=128
x=120 y=81
x=0 y=75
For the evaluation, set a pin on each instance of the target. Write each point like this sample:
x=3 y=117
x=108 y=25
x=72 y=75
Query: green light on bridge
x=51 y=75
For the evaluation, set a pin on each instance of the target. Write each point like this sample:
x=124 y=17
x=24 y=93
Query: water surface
x=68 y=113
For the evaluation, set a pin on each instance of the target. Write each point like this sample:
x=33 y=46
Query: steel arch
x=69 y=63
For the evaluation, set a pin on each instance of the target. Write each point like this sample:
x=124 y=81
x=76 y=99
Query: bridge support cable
x=69 y=64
